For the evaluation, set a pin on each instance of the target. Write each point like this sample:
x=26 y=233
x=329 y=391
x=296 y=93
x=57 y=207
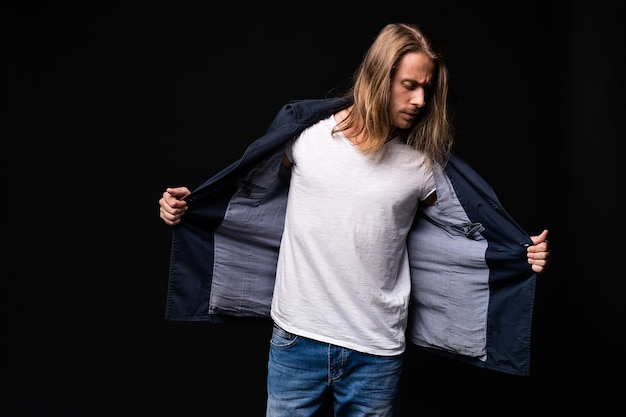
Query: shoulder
x=307 y=112
x=315 y=108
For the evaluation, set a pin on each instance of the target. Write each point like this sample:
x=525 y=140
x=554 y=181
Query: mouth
x=410 y=116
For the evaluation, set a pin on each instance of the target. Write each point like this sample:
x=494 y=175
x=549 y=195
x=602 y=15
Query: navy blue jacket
x=472 y=287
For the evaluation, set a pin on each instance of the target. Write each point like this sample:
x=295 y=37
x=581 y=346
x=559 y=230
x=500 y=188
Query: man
x=345 y=225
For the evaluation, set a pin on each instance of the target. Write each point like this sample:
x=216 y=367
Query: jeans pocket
x=281 y=337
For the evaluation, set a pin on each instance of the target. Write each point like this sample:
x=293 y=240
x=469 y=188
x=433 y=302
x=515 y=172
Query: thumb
x=178 y=192
x=541 y=237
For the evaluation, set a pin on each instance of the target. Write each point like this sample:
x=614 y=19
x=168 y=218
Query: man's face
x=409 y=88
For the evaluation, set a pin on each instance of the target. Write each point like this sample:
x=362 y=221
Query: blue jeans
x=302 y=373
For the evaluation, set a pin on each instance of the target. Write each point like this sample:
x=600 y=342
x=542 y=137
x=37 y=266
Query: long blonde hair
x=432 y=133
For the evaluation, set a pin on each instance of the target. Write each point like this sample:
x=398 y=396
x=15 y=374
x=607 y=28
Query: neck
x=351 y=132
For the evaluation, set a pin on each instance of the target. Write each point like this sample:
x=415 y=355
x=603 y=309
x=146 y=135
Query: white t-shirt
x=343 y=273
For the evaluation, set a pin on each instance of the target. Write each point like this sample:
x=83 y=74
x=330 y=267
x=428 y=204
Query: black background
x=106 y=104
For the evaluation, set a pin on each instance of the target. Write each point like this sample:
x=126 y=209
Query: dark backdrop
x=106 y=104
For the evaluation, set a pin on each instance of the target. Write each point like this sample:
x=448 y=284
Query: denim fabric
x=302 y=373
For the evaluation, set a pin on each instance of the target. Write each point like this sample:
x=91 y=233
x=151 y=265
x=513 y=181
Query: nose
x=418 y=99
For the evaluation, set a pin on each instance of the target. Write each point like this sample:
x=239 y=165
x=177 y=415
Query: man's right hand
x=172 y=205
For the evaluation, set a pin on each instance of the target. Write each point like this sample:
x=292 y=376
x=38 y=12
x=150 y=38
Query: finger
x=168 y=218
x=539 y=247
